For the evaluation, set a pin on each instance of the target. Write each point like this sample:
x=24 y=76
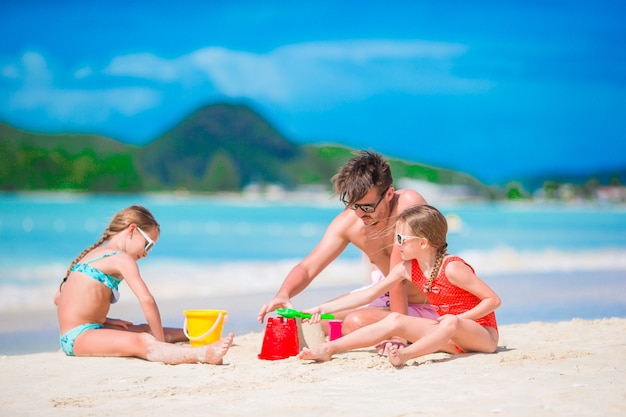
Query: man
x=365 y=186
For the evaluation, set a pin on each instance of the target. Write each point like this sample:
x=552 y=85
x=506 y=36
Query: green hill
x=31 y=161
x=219 y=147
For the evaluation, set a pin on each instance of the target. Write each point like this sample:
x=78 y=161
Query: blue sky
x=497 y=89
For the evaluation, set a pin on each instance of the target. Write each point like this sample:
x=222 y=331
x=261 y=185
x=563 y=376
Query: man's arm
x=327 y=250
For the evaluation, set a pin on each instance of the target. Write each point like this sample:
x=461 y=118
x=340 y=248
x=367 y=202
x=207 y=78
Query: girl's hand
x=315 y=315
x=440 y=318
x=117 y=324
x=395 y=340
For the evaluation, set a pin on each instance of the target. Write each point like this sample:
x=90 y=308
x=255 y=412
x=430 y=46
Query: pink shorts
x=415 y=310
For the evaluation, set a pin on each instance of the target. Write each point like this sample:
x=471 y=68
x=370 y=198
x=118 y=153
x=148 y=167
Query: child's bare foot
x=215 y=352
x=318 y=354
x=394 y=353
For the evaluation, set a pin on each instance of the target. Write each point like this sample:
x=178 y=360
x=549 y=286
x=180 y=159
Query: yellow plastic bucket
x=203 y=327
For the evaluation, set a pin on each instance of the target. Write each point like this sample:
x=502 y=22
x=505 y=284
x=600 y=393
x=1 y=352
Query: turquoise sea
x=548 y=261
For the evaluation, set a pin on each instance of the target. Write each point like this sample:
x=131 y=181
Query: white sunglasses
x=149 y=242
x=400 y=239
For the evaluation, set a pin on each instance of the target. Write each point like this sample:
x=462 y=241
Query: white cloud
x=31 y=69
x=326 y=71
x=307 y=75
x=10 y=71
x=78 y=105
x=83 y=73
x=244 y=74
x=144 y=65
x=87 y=105
x=369 y=50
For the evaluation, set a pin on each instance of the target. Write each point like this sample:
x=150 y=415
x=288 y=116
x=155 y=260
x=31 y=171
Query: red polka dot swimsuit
x=447 y=298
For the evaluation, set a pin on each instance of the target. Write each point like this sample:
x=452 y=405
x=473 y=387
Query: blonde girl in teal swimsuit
x=90 y=286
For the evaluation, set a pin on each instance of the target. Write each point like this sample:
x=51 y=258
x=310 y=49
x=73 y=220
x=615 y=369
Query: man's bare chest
x=378 y=249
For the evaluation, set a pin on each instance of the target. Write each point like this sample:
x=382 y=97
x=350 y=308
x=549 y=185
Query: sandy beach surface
x=574 y=368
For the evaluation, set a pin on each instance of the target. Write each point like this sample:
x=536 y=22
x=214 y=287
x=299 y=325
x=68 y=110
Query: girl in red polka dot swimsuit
x=466 y=304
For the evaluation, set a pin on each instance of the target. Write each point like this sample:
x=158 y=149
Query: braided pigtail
x=83 y=253
x=441 y=253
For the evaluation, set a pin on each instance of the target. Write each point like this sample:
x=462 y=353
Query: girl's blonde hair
x=138 y=215
x=428 y=222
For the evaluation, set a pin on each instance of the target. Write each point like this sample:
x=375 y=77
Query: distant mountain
x=219 y=147
x=224 y=147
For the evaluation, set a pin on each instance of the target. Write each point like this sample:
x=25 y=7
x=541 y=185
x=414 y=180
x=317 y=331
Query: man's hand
x=277 y=302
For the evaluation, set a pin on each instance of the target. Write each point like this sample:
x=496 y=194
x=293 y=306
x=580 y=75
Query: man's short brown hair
x=366 y=170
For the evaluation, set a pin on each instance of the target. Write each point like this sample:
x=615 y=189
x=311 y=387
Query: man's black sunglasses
x=367 y=208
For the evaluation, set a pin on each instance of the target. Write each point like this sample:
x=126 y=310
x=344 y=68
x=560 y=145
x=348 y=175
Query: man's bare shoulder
x=345 y=224
x=408 y=198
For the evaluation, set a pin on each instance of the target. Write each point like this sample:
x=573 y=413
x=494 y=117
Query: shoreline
x=573 y=367
x=321 y=194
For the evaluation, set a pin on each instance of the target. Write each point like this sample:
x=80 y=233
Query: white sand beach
x=574 y=367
